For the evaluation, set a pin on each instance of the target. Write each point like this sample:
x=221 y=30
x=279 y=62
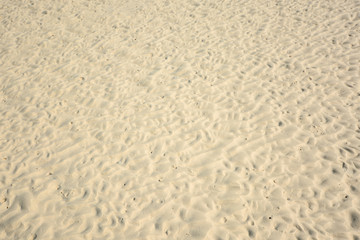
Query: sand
x=180 y=119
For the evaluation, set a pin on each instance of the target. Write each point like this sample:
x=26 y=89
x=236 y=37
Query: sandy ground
x=180 y=119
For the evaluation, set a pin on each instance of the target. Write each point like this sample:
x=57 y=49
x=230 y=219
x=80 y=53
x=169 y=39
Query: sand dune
x=180 y=119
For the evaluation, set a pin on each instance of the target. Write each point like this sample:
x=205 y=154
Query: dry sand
x=180 y=119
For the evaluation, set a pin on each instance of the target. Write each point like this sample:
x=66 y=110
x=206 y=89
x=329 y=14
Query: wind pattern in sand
x=185 y=119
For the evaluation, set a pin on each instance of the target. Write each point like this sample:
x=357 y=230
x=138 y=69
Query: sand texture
x=190 y=119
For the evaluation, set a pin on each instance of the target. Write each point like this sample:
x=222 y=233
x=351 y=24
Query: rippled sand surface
x=185 y=119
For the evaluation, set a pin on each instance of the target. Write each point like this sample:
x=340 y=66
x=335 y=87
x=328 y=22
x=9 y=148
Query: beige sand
x=179 y=119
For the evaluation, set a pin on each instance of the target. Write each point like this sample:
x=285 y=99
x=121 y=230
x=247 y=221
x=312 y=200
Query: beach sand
x=180 y=119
